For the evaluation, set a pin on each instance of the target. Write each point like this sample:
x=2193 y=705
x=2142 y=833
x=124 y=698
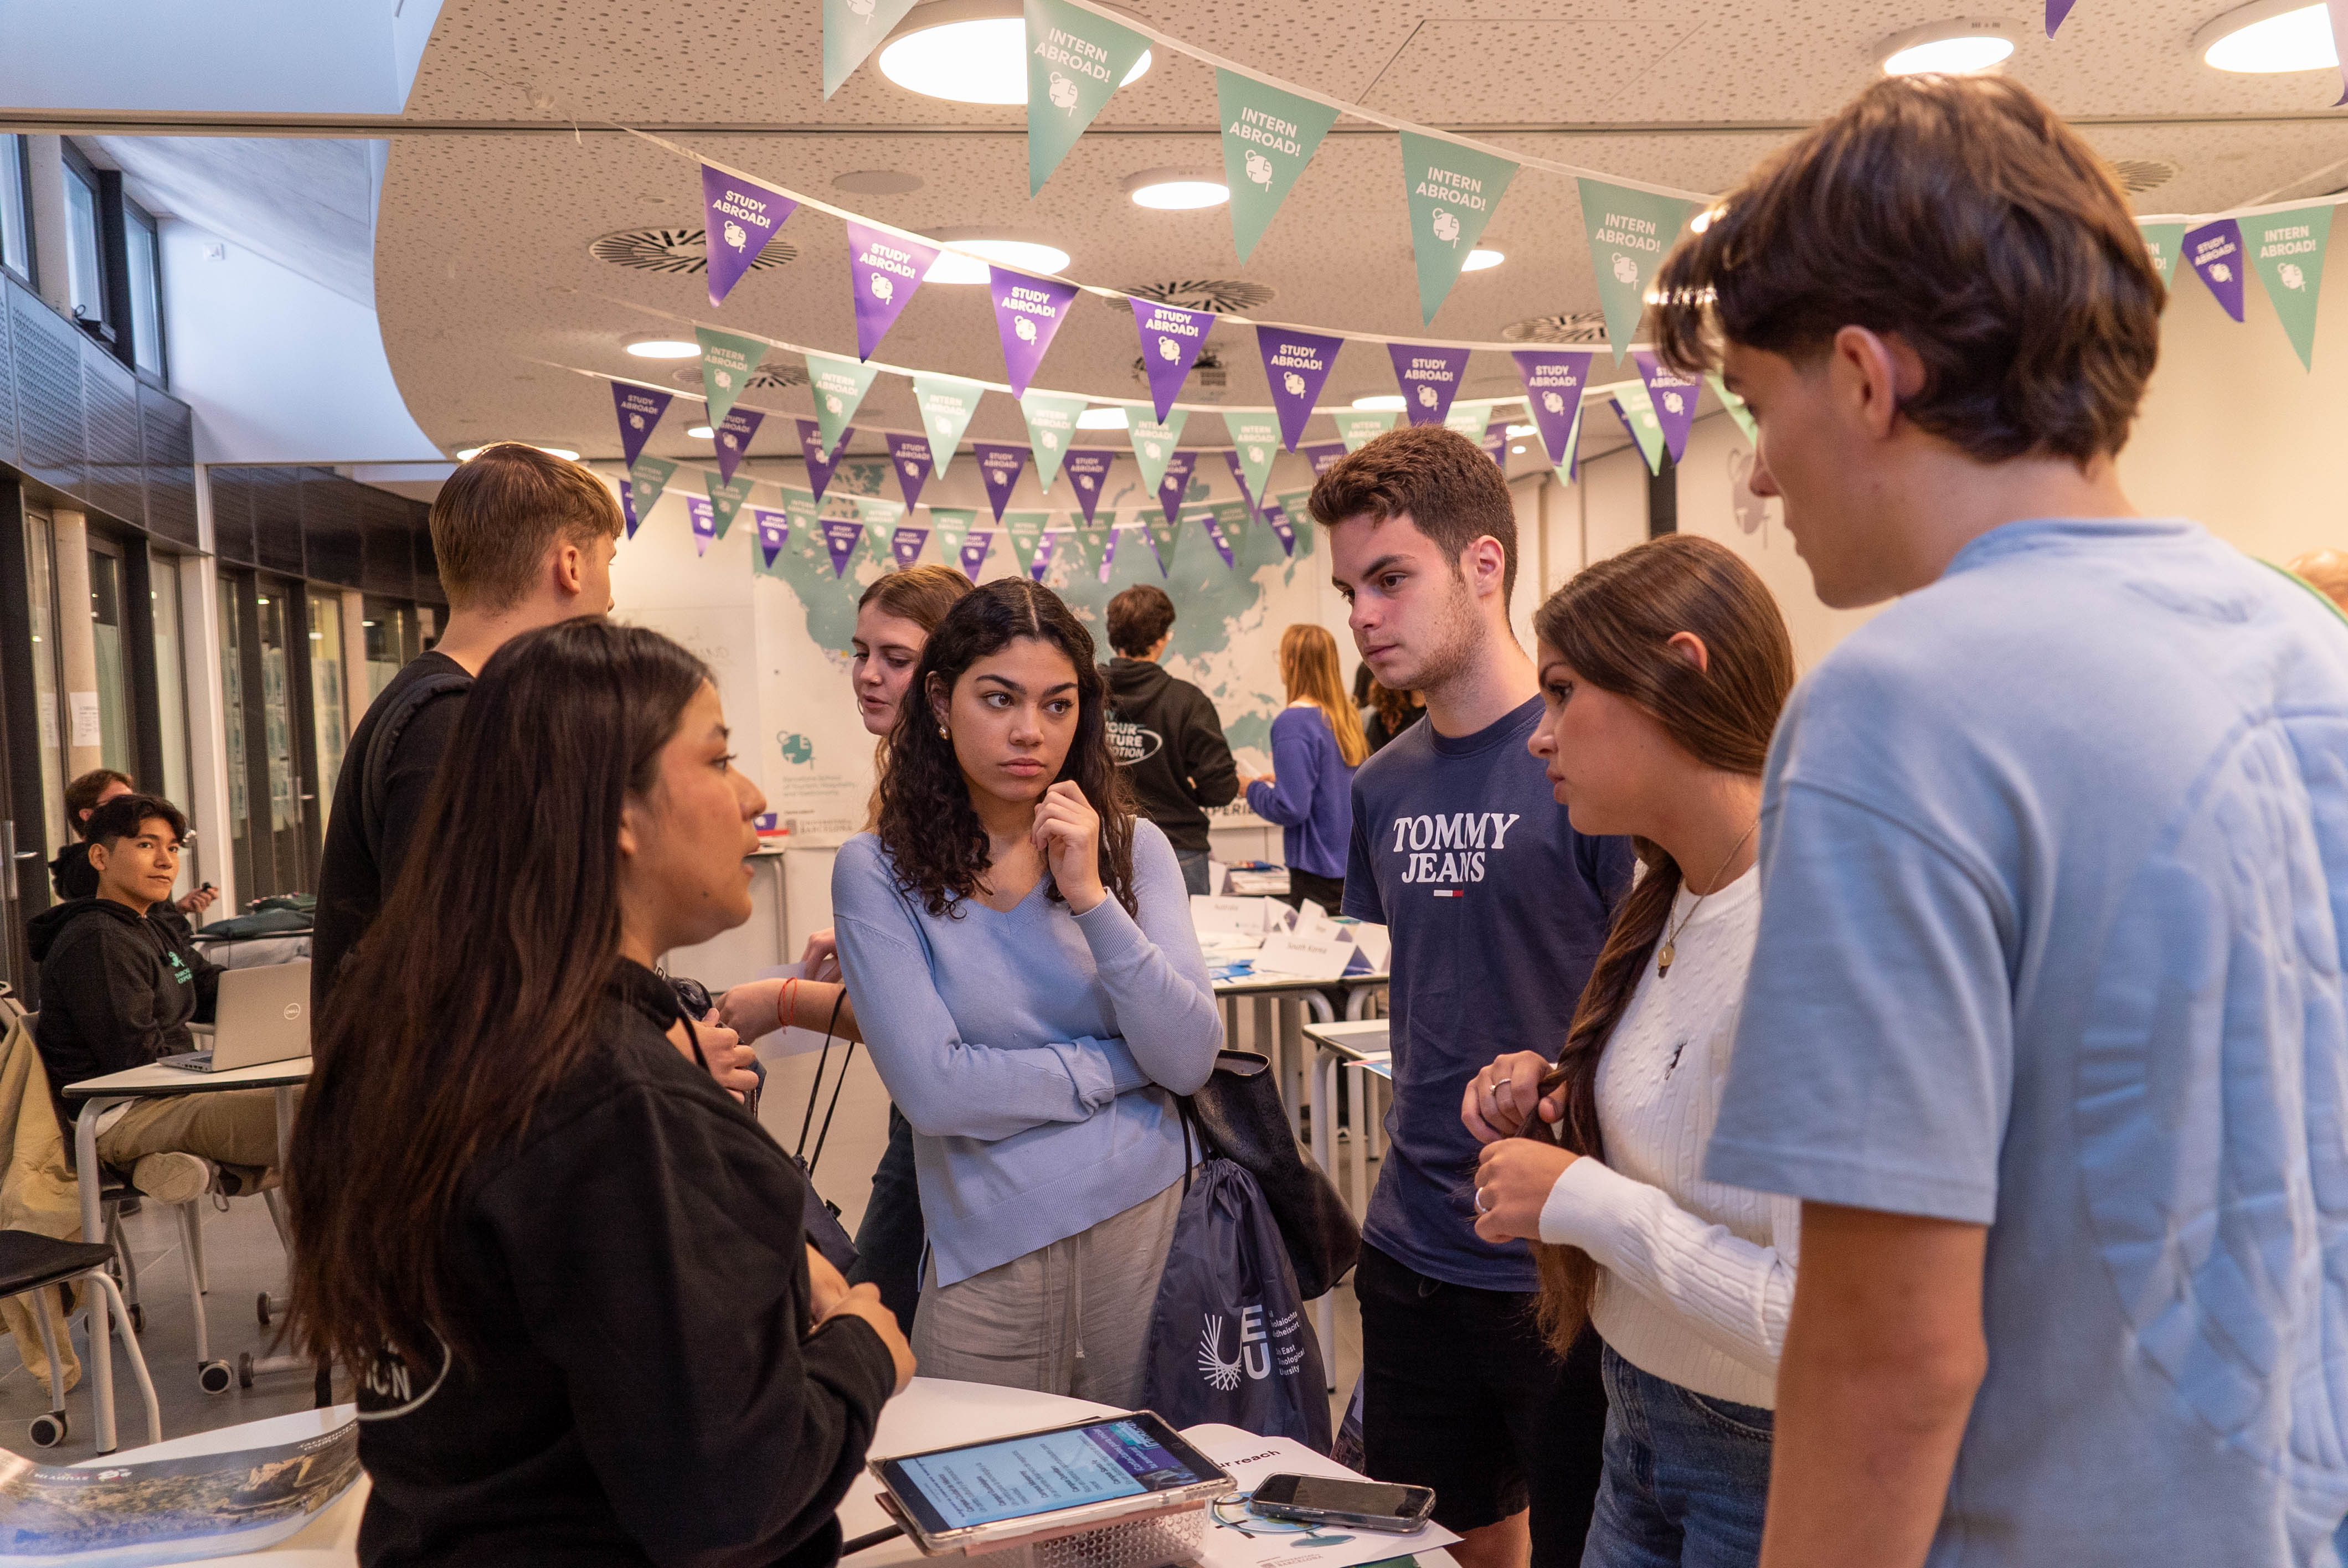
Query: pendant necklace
x=1670 y=949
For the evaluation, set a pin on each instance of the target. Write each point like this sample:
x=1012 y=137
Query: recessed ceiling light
x=1177 y=189
x=1380 y=403
x=661 y=345
x=1111 y=418
x=1517 y=430
x=975 y=248
x=1951 y=48
x=565 y=453
x=1518 y=447
x=701 y=433
x=2268 y=36
x=1482 y=259
x=1702 y=220
x=968 y=52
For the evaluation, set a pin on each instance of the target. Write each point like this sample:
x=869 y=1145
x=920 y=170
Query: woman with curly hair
x=1019 y=950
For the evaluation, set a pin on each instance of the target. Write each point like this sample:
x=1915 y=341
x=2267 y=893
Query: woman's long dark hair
x=927 y=825
x=476 y=991
x=1612 y=624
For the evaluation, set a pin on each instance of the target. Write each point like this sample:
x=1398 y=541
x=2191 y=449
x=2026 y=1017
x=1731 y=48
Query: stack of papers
x=1237 y=1539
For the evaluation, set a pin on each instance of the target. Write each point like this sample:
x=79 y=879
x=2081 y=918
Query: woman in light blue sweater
x=1019 y=950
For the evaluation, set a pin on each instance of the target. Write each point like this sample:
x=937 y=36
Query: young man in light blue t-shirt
x=2045 y=1022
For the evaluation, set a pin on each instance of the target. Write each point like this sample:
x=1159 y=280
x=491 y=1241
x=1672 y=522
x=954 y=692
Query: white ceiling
x=481 y=262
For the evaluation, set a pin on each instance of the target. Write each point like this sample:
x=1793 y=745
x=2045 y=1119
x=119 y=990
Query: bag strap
x=385 y=739
x=830 y=1026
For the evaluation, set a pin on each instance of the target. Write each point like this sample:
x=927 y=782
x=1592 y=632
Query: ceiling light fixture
x=967 y=51
x=701 y=433
x=1111 y=418
x=2269 y=36
x=565 y=453
x=1517 y=430
x=1482 y=260
x=975 y=248
x=1381 y=402
x=1952 y=49
x=1177 y=189
x=661 y=345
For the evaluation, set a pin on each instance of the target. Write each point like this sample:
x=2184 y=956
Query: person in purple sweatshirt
x=1316 y=745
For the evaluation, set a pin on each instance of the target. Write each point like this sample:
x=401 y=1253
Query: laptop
x=261 y=1015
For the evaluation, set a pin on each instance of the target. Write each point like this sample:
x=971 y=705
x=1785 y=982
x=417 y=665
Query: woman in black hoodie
x=568 y=1269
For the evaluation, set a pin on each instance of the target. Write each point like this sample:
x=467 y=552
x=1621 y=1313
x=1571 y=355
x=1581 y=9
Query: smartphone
x=1334 y=1499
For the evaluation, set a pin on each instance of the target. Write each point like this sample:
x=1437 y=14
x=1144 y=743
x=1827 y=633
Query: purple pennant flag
x=1108 y=555
x=1240 y=475
x=1172 y=338
x=909 y=455
x=2055 y=11
x=974 y=552
x=733 y=440
x=1285 y=531
x=1000 y=466
x=774 y=531
x=841 y=536
x=1027 y=312
x=1215 y=536
x=1673 y=397
x=906 y=544
x=741 y=216
x=1496 y=443
x=698 y=512
x=640 y=408
x=819 y=466
x=1553 y=381
x=1295 y=363
x=2216 y=251
x=1324 y=456
x=884 y=269
x=1176 y=483
x=628 y=507
x=1428 y=377
x=1041 y=562
x=1089 y=469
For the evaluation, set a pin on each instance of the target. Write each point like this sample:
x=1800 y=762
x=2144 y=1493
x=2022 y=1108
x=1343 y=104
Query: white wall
x=275 y=56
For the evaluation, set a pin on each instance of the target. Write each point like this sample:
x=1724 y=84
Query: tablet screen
x=1044 y=1471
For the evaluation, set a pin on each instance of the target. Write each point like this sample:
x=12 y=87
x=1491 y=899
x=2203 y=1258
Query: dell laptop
x=261 y=1015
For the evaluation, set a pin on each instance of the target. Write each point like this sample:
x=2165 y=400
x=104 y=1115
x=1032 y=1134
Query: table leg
x=284 y=1127
x=1265 y=1039
x=1296 y=1071
x=93 y=1229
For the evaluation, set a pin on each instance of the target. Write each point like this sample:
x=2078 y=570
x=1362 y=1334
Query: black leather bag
x=1238 y=1115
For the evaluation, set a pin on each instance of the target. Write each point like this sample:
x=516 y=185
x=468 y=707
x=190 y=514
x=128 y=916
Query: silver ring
x=1479 y=1202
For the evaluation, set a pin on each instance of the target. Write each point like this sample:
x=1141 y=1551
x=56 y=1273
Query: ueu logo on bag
x=1255 y=1353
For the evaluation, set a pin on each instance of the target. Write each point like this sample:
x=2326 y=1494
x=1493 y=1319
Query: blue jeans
x=1194 y=868
x=1686 y=1480
x=889 y=1243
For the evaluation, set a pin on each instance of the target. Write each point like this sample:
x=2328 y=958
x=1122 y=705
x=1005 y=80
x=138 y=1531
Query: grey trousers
x=1069 y=1318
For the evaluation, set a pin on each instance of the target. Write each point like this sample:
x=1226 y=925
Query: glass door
x=328 y=729
x=276 y=622
x=41 y=591
x=234 y=645
x=390 y=628
x=115 y=720
x=171 y=680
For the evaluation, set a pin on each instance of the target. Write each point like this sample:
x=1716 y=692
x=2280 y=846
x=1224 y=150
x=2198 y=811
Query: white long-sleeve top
x=1696 y=1278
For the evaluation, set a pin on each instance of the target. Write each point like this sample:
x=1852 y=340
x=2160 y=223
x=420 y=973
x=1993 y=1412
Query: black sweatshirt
x=118 y=988
x=1169 y=740
x=633 y=1274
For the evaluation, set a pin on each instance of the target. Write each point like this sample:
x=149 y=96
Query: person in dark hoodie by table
x=119 y=982
x=71 y=872
x=1166 y=734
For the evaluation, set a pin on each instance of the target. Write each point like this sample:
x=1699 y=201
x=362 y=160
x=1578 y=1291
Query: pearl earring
x=942 y=733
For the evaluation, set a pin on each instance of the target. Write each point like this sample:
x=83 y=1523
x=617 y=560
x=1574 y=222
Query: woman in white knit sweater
x=1664 y=670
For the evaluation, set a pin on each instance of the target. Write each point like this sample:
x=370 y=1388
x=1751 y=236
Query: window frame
x=136 y=217
x=17 y=196
x=78 y=169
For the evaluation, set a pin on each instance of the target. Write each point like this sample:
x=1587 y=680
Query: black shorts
x=1460 y=1393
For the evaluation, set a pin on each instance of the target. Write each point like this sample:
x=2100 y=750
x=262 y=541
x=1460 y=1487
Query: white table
x=1363 y=1047
x=100 y=1094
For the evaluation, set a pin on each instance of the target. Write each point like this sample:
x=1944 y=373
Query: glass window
x=326 y=726
x=15 y=226
x=171 y=678
x=114 y=742
x=40 y=549
x=84 y=269
x=239 y=801
x=389 y=636
x=277 y=714
x=146 y=290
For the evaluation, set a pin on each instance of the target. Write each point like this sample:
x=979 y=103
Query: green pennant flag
x=1024 y=529
x=1154 y=442
x=852 y=29
x=2161 y=242
x=1051 y=425
x=1256 y=438
x=724 y=500
x=1453 y=189
x=1163 y=536
x=2287 y=248
x=1268 y=136
x=1357 y=426
x=878 y=515
x=1737 y=407
x=1469 y=419
x=839 y=386
x=1639 y=419
x=726 y=361
x=1075 y=61
x=1072 y=550
x=1631 y=232
x=952 y=524
x=1569 y=469
x=946 y=406
x=647 y=477
x=800 y=512
x=1234 y=516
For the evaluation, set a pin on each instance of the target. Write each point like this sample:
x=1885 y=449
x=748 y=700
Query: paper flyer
x=1237 y=1539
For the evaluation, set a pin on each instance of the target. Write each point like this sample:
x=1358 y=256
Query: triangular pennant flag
x=1469 y=418
x=1172 y=338
x=1570 y=469
x=909 y=456
x=1324 y=456
x=647 y=477
x=1495 y=442
x=1233 y=517
x=639 y=408
x=1356 y=428
x=739 y=216
x=1553 y=381
x=1296 y=363
x=852 y=29
x=1027 y=312
x=839 y=386
x=1176 y=484
x=905 y=545
x=1162 y=537
x=1630 y=231
x=840 y=538
x=1453 y=189
x=879 y=514
x=819 y=466
x=1639 y=422
x=884 y=268
x=1275 y=514
x=732 y=437
x=1072 y=550
x=2160 y=242
x=972 y=557
x=1672 y=396
x=1075 y=61
x=1153 y=442
x=1024 y=529
x=1108 y=556
x=1039 y=564
x=1268 y=136
x=2216 y=251
x=953 y=525
x=725 y=498
x=999 y=466
x=946 y=406
x=1051 y=424
x=1738 y=409
x=1252 y=449
x=1089 y=470
x=2055 y=11
x=628 y=507
x=1429 y=376
x=2288 y=249
x=697 y=512
x=726 y=361
x=774 y=530
x=1209 y=525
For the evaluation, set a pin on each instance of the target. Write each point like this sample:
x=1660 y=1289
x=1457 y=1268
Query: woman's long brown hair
x=1612 y=624
x=477 y=989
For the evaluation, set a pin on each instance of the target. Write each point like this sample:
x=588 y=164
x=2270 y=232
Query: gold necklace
x=1670 y=949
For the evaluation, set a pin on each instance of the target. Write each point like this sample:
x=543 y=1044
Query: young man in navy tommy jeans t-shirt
x=1497 y=908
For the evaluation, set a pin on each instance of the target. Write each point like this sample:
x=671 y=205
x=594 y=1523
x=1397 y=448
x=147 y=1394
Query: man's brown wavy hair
x=1961 y=216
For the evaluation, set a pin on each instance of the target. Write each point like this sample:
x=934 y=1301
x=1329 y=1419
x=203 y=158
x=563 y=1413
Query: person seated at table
x=71 y=872
x=570 y=1272
x=1019 y=949
x=120 y=983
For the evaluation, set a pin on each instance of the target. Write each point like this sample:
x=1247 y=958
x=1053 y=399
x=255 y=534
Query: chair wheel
x=213 y=1376
x=137 y=1318
x=49 y=1430
x=244 y=1370
x=261 y=1308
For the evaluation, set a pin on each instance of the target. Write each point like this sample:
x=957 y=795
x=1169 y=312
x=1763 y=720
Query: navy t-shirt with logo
x=1497 y=908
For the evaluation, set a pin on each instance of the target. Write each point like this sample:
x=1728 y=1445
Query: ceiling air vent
x=1223 y=296
x=675 y=250
x=766 y=378
x=1575 y=326
x=2138 y=175
x=1210 y=377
